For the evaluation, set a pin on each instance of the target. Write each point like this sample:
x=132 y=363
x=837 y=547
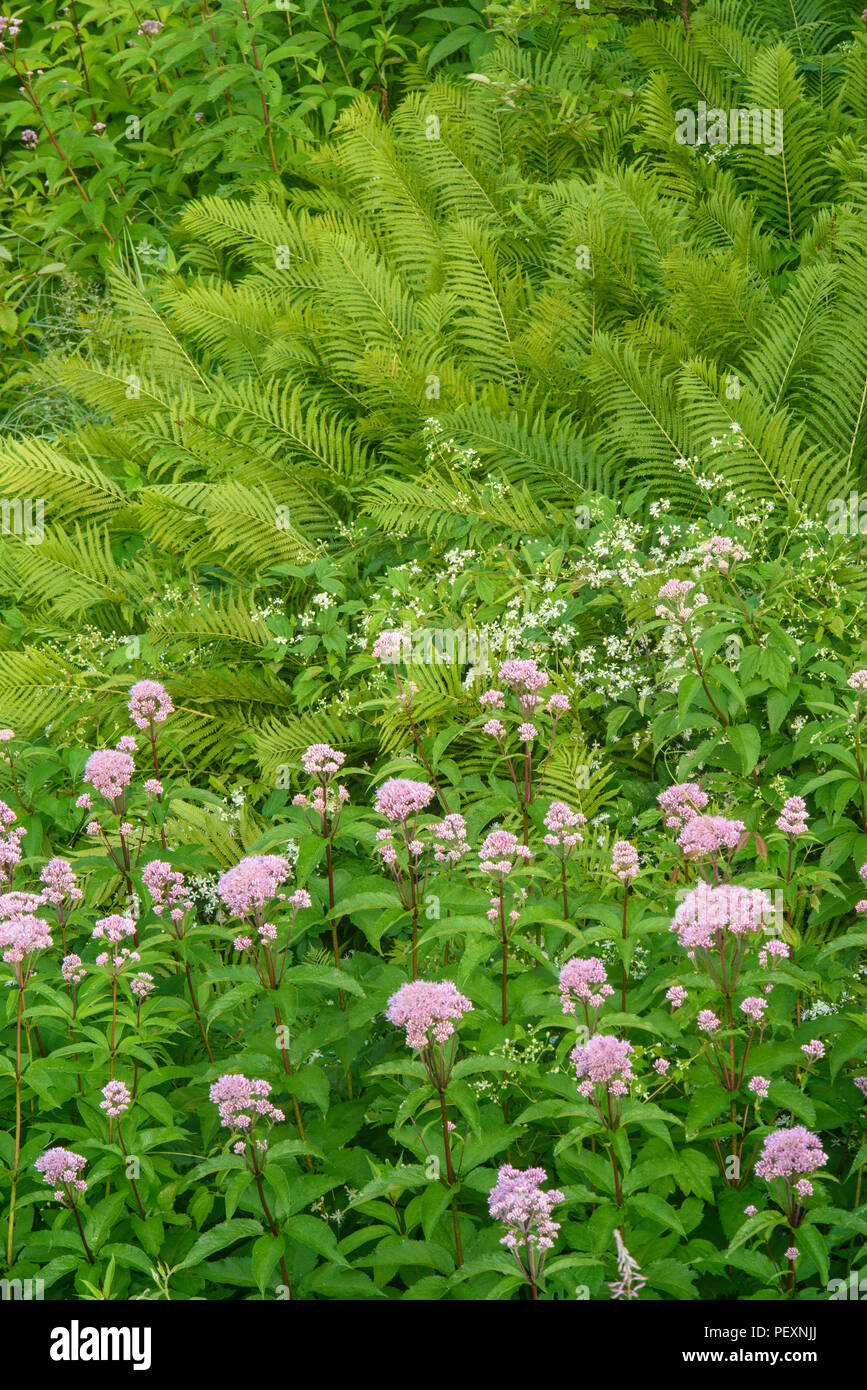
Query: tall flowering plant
x=499 y=855
x=246 y=1111
x=323 y=807
x=403 y=845
x=427 y=1010
x=523 y=682
x=251 y=891
x=519 y=1202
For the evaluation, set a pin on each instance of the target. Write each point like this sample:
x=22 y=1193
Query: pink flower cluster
x=167 y=889
x=141 y=985
x=525 y=1210
x=392 y=646
x=60 y=888
x=624 y=861
x=241 y=1103
x=604 y=1060
x=113 y=928
x=790 y=1153
x=722 y=552
x=11 y=836
x=110 y=771
x=399 y=798
x=321 y=760
x=577 y=980
x=499 y=852
x=704 y=836
x=72 y=969
x=21 y=938
x=450 y=839
x=117 y=1098
x=792 y=819
x=681 y=803
x=253 y=883
x=525 y=680
x=675 y=595
x=562 y=823
x=707 y=913
x=149 y=702
x=427 y=1010
x=61 y=1168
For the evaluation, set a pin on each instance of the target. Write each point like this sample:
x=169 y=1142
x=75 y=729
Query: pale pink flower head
x=6 y=735
x=499 y=851
x=861 y=1083
x=707 y=1021
x=603 y=1060
x=525 y=680
x=113 y=928
x=117 y=1098
x=721 y=553
x=661 y=1066
x=676 y=997
x=110 y=772
x=707 y=914
x=525 y=1210
x=558 y=704
x=754 y=1008
x=679 y=602
x=624 y=861
x=72 y=969
x=495 y=699
x=790 y=1153
x=562 y=824
x=61 y=889
x=149 y=702
x=751 y=1210
x=248 y=887
x=84 y=802
x=11 y=836
x=791 y=1253
x=242 y=1102
x=758 y=1086
x=22 y=937
x=126 y=744
x=584 y=981
x=399 y=798
x=494 y=728
x=14 y=903
x=142 y=985
x=522 y=676
x=681 y=803
x=792 y=819
x=858 y=681
x=321 y=760
x=814 y=1050
x=450 y=839
x=167 y=889
x=704 y=836
x=61 y=1168
x=527 y=732
x=392 y=646
x=427 y=1010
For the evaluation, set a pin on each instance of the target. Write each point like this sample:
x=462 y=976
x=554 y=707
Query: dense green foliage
x=431 y=325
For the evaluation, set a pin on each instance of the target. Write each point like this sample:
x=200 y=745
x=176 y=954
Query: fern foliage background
x=576 y=299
